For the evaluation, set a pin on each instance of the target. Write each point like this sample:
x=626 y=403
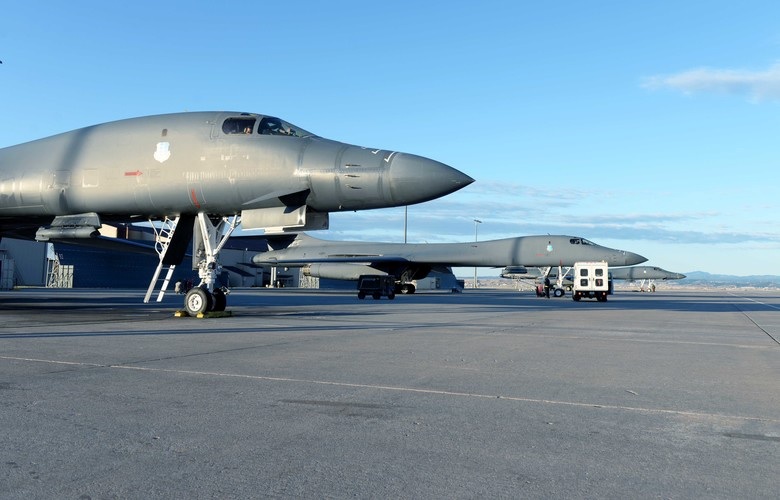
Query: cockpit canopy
x=580 y=241
x=266 y=125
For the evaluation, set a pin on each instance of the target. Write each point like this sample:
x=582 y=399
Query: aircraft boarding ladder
x=163 y=237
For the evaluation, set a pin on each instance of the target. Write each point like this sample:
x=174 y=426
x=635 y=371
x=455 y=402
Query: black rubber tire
x=220 y=300
x=198 y=300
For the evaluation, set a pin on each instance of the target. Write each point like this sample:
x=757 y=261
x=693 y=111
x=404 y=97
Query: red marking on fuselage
x=194 y=198
x=133 y=174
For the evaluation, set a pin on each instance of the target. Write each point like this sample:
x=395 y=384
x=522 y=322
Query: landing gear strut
x=208 y=240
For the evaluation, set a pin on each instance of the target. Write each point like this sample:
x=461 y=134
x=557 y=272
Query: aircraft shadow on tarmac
x=71 y=311
x=625 y=301
x=295 y=302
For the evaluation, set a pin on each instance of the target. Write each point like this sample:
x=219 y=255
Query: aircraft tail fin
x=282 y=241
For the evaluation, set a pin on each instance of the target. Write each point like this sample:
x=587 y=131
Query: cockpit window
x=270 y=125
x=239 y=125
x=580 y=241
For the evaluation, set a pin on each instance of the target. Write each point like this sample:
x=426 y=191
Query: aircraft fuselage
x=203 y=162
x=531 y=251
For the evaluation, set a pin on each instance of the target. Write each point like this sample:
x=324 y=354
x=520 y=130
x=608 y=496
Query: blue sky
x=647 y=126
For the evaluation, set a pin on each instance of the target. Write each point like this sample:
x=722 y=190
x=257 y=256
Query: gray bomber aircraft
x=347 y=260
x=633 y=273
x=197 y=176
x=645 y=275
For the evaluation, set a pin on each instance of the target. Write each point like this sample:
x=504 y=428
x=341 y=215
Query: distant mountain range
x=759 y=281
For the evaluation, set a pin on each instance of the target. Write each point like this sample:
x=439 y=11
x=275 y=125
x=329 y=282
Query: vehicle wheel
x=198 y=300
x=361 y=295
x=377 y=295
x=220 y=300
x=576 y=297
x=391 y=295
x=559 y=292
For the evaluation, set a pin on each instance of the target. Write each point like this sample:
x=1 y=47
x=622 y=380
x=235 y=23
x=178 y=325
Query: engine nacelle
x=339 y=271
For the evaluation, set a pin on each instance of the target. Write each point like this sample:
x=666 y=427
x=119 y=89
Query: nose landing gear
x=208 y=241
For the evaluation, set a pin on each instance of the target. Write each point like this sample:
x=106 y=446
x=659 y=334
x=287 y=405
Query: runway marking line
x=54 y=361
x=750 y=299
x=437 y=392
x=749 y=317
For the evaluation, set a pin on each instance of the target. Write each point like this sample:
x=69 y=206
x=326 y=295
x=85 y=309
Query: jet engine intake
x=281 y=219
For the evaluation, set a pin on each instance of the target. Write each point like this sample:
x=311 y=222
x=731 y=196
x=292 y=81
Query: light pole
x=477 y=222
x=406 y=216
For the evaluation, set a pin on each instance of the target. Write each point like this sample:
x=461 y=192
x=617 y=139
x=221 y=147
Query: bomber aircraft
x=646 y=275
x=347 y=260
x=198 y=175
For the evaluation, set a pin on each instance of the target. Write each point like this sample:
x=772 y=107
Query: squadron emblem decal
x=163 y=151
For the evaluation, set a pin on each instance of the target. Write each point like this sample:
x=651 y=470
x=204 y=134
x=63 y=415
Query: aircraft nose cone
x=415 y=179
x=633 y=259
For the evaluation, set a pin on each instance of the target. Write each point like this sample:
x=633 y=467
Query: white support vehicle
x=591 y=281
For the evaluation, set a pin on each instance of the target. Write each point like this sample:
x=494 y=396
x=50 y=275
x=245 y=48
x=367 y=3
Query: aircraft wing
x=335 y=258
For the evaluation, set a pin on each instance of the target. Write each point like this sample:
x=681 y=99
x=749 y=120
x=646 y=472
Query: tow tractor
x=376 y=286
x=591 y=281
x=558 y=287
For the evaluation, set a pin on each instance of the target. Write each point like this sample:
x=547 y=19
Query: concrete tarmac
x=315 y=394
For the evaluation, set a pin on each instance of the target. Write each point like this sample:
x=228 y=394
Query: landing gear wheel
x=407 y=288
x=220 y=300
x=391 y=295
x=197 y=301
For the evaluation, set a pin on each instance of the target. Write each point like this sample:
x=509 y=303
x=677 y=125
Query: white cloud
x=757 y=85
x=442 y=221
